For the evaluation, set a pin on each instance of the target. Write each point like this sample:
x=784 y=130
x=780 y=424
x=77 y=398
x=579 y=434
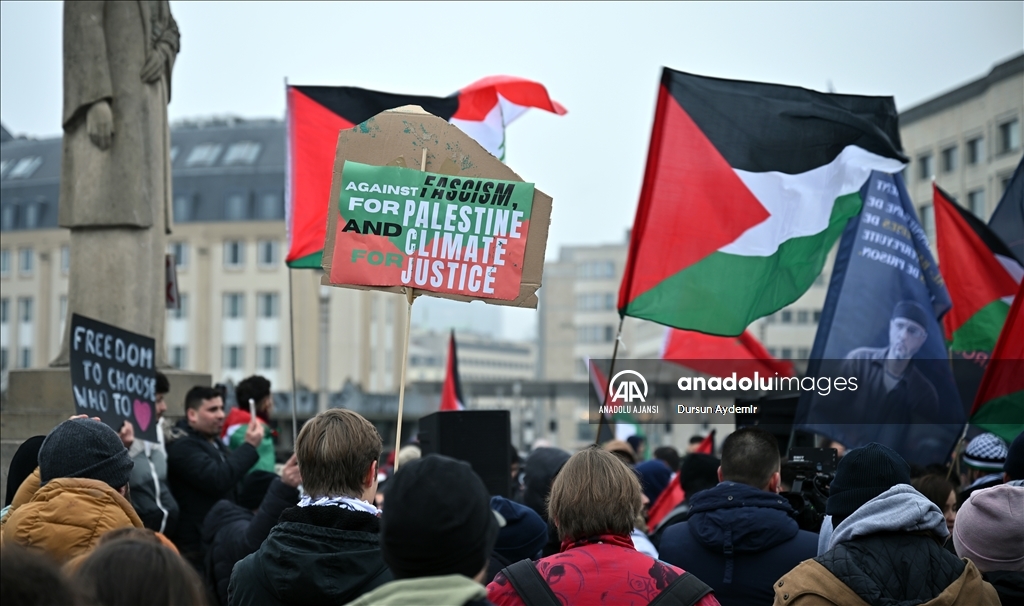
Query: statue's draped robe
x=117 y=202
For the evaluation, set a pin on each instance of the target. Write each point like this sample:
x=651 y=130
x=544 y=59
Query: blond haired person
x=594 y=501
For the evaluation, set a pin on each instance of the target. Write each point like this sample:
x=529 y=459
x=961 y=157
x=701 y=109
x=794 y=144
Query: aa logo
x=626 y=389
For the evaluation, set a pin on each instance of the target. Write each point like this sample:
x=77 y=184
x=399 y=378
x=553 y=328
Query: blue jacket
x=740 y=541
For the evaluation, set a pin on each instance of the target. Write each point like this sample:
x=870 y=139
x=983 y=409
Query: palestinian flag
x=999 y=406
x=747 y=187
x=982 y=275
x=722 y=356
x=317 y=113
x=451 y=391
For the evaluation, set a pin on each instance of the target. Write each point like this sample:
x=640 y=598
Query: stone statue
x=115 y=193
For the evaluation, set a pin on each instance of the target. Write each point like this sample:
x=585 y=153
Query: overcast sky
x=602 y=61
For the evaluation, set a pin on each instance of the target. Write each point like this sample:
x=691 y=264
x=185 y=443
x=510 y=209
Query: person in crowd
x=594 y=501
x=151 y=496
x=130 y=532
x=233 y=531
x=82 y=484
x=639 y=446
x=623 y=450
x=438 y=554
x=29 y=578
x=886 y=546
x=23 y=463
x=129 y=571
x=669 y=455
x=200 y=470
x=542 y=466
x=253 y=391
x=1013 y=468
x=990 y=532
x=654 y=477
x=940 y=491
x=522 y=537
x=983 y=459
x=327 y=549
x=697 y=472
x=740 y=536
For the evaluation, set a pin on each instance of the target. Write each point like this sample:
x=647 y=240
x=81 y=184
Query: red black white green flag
x=982 y=274
x=999 y=406
x=747 y=187
x=451 y=391
x=722 y=356
x=316 y=114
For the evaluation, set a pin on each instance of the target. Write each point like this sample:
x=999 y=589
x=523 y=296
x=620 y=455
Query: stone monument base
x=38 y=399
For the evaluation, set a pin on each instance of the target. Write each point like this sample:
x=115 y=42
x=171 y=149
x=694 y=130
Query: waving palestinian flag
x=316 y=114
x=747 y=187
x=999 y=406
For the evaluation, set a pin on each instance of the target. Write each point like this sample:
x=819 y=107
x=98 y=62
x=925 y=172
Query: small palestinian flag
x=722 y=356
x=999 y=406
x=316 y=114
x=982 y=275
x=451 y=391
x=747 y=187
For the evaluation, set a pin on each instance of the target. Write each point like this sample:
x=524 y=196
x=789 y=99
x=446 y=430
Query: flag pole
x=611 y=373
x=410 y=296
x=291 y=334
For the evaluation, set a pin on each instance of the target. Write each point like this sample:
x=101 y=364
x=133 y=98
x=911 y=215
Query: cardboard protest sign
x=432 y=232
x=474 y=229
x=113 y=375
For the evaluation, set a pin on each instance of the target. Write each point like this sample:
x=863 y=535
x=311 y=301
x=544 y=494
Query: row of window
x=974 y=149
x=268 y=305
x=797 y=316
x=238 y=206
x=24 y=214
x=25 y=310
x=595 y=334
x=786 y=353
x=20 y=168
x=595 y=270
x=595 y=301
x=239 y=153
x=232 y=357
x=26 y=262
x=24 y=358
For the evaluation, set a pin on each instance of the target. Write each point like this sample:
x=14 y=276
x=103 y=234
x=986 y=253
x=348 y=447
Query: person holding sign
x=254 y=401
x=150 y=493
x=200 y=469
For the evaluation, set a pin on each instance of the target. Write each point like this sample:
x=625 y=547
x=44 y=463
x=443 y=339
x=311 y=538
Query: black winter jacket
x=315 y=555
x=201 y=472
x=232 y=532
x=739 y=540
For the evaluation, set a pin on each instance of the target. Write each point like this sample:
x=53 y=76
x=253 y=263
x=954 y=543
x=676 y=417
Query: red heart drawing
x=143 y=414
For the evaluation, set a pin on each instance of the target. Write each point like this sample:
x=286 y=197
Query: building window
x=270 y=207
x=949 y=159
x=925 y=170
x=234 y=357
x=976 y=203
x=181 y=313
x=236 y=207
x=928 y=220
x=267 y=357
x=63 y=311
x=5 y=310
x=817 y=316
x=25 y=167
x=26 y=357
x=242 y=152
x=5 y=262
x=234 y=253
x=773 y=352
x=25 y=261
x=596 y=270
x=787 y=353
x=184 y=208
x=268 y=305
x=234 y=305
x=3 y=359
x=203 y=155
x=975 y=151
x=25 y=310
x=65 y=259
x=174 y=153
x=803 y=353
x=5 y=165
x=266 y=253
x=178 y=355
x=787 y=316
x=33 y=211
x=1009 y=136
x=180 y=252
x=803 y=316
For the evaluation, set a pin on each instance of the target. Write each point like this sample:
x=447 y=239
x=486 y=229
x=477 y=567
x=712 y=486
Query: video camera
x=811 y=470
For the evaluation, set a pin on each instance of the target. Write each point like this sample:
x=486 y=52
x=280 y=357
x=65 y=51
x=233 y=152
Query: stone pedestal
x=38 y=399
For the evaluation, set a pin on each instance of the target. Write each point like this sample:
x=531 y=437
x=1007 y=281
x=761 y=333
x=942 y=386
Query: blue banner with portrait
x=880 y=331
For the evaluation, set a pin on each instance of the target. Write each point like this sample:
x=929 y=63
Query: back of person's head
x=698 y=472
x=437 y=520
x=83 y=448
x=636 y=443
x=29 y=578
x=669 y=455
x=986 y=453
x=1013 y=468
x=408 y=453
x=542 y=466
x=162 y=384
x=335 y=451
x=195 y=396
x=654 y=477
x=254 y=487
x=935 y=488
x=595 y=493
x=863 y=474
x=23 y=463
x=524 y=533
x=750 y=455
x=989 y=529
x=126 y=572
x=621 y=449
x=253 y=388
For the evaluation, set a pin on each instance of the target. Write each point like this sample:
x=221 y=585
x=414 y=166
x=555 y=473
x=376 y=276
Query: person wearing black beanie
x=437 y=533
x=1013 y=468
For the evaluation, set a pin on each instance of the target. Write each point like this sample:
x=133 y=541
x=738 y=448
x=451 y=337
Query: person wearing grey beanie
x=989 y=531
x=84 y=470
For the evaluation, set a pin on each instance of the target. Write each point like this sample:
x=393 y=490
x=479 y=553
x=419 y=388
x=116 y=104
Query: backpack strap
x=530 y=586
x=685 y=590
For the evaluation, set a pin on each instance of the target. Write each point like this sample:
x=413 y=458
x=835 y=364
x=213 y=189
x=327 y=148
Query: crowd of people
x=206 y=515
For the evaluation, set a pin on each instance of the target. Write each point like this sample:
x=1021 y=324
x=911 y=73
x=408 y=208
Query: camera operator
x=741 y=535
